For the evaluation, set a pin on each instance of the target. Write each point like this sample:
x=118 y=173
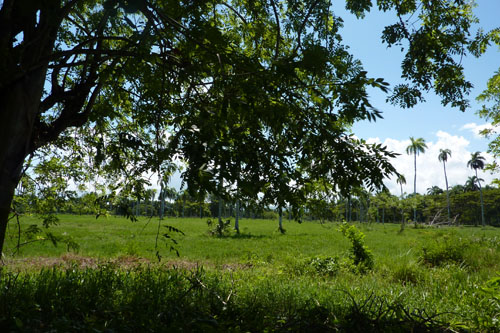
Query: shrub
x=269 y=215
x=326 y=266
x=360 y=255
x=220 y=228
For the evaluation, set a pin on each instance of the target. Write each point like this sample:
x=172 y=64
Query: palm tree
x=443 y=157
x=401 y=180
x=477 y=162
x=457 y=189
x=471 y=184
x=416 y=147
x=434 y=190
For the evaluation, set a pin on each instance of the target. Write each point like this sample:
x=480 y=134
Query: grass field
x=422 y=279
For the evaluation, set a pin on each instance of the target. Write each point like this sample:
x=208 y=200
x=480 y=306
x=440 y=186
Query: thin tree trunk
x=350 y=208
x=280 y=210
x=402 y=210
x=183 y=205
x=219 y=213
x=447 y=192
x=237 y=217
x=482 y=202
x=162 y=202
x=415 y=189
x=347 y=210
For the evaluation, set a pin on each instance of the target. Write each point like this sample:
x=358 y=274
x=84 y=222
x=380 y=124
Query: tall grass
x=259 y=280
x=165 y=300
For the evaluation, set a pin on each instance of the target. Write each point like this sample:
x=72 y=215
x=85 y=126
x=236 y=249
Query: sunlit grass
x=422 y=278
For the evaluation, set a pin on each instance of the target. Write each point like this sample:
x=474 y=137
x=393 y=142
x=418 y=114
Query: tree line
x=462 y=202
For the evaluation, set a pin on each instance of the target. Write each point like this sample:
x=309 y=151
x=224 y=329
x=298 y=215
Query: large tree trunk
x=18 y=108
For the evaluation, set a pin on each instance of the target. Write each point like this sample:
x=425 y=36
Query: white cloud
x=476 y=129
x=429 y=169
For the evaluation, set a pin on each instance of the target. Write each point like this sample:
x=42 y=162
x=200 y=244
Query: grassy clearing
x=422 y=279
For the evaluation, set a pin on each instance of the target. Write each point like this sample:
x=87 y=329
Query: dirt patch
x=126 y=262
x=71 y=260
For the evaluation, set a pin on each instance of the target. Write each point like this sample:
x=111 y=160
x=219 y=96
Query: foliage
x=220 y=228
x=492 y=300
x=361 y=256
x=490 y=111
x=445 y=250
x=326 y=265
x=259 y=95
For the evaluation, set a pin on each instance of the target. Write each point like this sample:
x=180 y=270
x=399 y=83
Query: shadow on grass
x=247 y=236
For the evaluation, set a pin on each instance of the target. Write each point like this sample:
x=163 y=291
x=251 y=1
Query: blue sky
x=441 y=127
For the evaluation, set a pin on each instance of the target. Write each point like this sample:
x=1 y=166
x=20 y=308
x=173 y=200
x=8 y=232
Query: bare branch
x=302 y=26
x=236 y=12
x=278 y=33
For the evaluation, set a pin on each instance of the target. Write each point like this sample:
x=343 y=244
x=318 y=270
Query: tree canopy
x=491 y=110
x=258 y=94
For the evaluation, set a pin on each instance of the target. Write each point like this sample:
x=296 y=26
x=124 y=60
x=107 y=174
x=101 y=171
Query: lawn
x=422 y=279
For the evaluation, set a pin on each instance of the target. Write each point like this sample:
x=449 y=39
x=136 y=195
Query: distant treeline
x=382 y=207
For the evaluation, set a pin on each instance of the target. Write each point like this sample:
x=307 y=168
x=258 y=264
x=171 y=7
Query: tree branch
x=278 y=33
x=302 y=26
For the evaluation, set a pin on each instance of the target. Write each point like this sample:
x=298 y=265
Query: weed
x=325 y=266
x=219 y=229
x=407 y=273
x=360 y=255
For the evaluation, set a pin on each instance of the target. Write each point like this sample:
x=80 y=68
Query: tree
x=471 y=184
x=401 y=180
x=242 y=82
x=443 y=157
x=434 y=190
x=416 y=147
x=457 y=189
x=477 y=162
x=491 y=110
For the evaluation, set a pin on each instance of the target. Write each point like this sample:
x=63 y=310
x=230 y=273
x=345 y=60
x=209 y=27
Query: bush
x=326 y=266
x=269 y=215
x=446 y=250
x=360 y=255
x=220 y=228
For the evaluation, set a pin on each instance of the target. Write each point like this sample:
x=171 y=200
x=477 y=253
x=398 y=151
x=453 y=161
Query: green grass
x=111 y=237
x=422 y=279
